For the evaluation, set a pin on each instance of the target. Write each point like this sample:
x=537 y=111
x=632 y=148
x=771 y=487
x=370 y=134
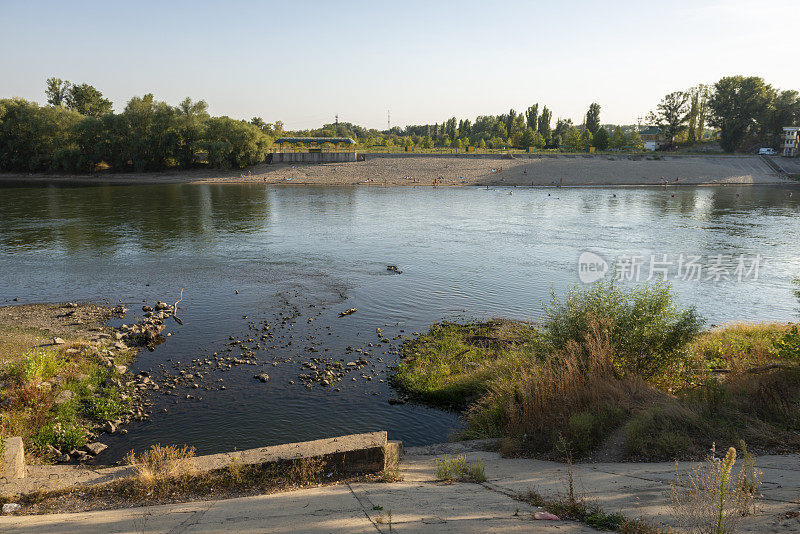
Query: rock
x=396 y=401
x=64 y=397
x=110 y=427
x=72 y=351
x=120 y=345
x=63 y=459
x=147 y=309
x=96 y=448
x=10 y=508
x=263 y=377
x=348 y=312
x=58 y=341
x=121 y=369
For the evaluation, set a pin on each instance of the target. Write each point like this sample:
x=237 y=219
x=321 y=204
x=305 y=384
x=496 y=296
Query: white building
x=791 y=140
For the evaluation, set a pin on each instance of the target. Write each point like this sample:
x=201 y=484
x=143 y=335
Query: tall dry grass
x=574 y=394
x=162 y=465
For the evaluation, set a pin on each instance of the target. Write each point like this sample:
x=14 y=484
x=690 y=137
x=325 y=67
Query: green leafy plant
x=457 y=467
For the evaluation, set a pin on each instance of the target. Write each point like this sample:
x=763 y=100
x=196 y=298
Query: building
x=791 y=140
x=313 y=150
x=652 y=138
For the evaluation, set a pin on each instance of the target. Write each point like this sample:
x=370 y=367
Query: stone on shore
x=95 y=448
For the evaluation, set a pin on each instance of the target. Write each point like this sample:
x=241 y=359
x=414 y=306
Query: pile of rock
x=146 y=331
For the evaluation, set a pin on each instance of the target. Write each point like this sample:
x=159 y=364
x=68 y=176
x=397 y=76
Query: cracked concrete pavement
x=421 y=504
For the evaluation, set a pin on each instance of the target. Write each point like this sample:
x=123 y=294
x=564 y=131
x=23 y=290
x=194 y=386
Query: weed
x=451 y=468
x=307 y=470
x=392 y=474
x=710 y=497
x=36 y=366
x=62 y=436
x=160 y=464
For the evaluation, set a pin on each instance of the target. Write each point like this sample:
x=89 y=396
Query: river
x=246 y=255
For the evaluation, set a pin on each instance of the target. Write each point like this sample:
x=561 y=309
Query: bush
x=65 y=437
x=648 y=331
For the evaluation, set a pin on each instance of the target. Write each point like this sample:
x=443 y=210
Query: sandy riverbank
x=523 y=170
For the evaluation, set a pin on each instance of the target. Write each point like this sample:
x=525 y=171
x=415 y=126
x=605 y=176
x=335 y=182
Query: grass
x=34 y=375
x=611 y=361
x=457 y=468
x=453 y=364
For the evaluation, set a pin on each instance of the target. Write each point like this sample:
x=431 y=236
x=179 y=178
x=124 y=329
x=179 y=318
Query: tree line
x=747 y=111
x=78 y=131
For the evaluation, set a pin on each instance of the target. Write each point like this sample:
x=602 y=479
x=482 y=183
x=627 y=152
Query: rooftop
x=318 y=140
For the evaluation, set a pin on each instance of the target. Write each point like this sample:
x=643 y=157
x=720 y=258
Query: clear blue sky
x=302 y=62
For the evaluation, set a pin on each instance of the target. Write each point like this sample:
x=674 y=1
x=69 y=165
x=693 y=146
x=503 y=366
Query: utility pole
x=337 y=119
x=388 y=119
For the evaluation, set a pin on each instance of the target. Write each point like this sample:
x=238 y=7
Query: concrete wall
x=312 y=157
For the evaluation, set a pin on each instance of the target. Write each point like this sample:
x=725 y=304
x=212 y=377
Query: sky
x=424 y=61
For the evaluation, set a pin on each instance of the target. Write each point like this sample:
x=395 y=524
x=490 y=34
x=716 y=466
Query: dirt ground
x=426 y=170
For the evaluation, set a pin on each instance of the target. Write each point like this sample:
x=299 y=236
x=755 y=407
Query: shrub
x=648 y=331
x=63 y=436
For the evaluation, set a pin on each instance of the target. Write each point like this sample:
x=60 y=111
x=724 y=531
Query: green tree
x=698 y=109
x=586 y=140
x=601 y=139
x=572 y=138
x=593 y=118
x=532 y=117
x=234 y=144
x=527 y=139
x=30 y=135
x=618 y=138
x=544 y=124
x=783 y=111
x=670 y=115
x=635 y=140
x=57 y=91
x=736 y=104
x=190 y=125
x=87 y=100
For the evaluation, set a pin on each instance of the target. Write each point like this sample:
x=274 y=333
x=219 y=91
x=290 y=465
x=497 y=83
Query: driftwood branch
x=175 y=309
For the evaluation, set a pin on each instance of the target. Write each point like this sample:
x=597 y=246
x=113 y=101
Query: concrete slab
x=13 y=461
x=422 y=504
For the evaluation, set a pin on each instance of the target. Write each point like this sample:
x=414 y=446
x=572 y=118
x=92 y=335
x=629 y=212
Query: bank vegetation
x=613 y=373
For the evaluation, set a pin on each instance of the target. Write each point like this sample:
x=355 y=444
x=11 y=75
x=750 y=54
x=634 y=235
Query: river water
x=311 y=252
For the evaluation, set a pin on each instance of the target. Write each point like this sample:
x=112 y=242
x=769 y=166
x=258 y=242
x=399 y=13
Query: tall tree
x=544 y=124
x=532 y=117
x=57 y=91
x=784 y=111
x=736 y=105
x=87 y=100
x=698 y=109
x=670 y=115
x=510 y=118
x=593 y=118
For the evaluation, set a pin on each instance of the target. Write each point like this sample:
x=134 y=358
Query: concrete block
x=351 y=454
x=13 y=466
